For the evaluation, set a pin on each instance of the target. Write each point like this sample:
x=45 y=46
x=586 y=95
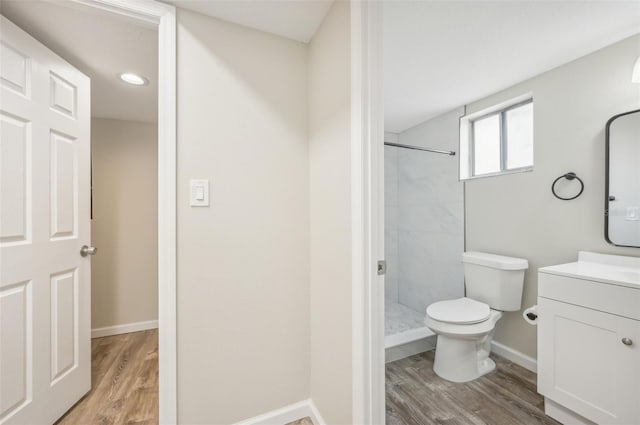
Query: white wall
x=330 y=195
x=243 y=263
x=517 y=214
x=124 y=287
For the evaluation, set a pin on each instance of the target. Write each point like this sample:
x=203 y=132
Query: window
x=498 y=140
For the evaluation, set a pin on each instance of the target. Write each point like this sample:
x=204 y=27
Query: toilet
x=464 y=326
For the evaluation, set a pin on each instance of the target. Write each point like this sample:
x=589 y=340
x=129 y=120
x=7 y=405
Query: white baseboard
x=316 y=417
x=564 y=415
x=124 y=329
x=515 y=356
x=290 y=413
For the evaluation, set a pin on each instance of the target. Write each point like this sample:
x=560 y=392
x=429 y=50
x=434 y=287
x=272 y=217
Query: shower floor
x=402 y=325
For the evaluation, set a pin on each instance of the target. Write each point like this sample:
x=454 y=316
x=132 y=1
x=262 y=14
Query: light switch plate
x=199 y=193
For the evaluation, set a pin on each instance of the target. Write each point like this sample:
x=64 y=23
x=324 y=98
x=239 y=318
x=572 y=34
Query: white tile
x=390 y=175
x=391 y=217
x=391 y=223
x=390 y=289
x=429 y=216
x=391 y=257
x=391 y=252
x=400 y=318
x=430 y=268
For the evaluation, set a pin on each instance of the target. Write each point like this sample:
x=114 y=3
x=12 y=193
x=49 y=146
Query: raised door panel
x=62 y=95
x=15 y=348
x=64 y=324
x=15 y=70
x=64 y=186
x=15 y=180
x=583 y=364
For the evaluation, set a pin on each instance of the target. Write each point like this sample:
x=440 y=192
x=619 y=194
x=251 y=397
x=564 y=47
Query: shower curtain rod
x=398 y=145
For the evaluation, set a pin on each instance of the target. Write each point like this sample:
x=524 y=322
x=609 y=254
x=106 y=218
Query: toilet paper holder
x=530 y=315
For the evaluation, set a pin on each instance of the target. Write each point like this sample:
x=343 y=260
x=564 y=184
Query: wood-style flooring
x=124 y=376
x=125 y=390
x=417 y=396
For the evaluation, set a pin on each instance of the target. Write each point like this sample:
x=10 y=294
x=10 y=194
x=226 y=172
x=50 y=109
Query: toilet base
x=463 y=360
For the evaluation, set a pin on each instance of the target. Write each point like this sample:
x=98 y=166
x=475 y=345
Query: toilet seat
x=461 y=311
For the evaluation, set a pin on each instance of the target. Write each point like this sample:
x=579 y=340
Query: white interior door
x=45 y=345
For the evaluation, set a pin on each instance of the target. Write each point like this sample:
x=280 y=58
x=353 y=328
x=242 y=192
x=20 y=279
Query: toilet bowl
x=465 y=326
x=465 y=329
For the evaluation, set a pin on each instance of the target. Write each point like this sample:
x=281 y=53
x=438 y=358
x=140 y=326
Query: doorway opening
x=463 y=190
x=132 y=200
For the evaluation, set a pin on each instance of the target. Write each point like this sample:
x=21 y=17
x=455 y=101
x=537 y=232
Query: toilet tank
x=495 y=280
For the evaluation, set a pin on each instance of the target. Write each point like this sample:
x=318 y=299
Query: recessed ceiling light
x=135 y=79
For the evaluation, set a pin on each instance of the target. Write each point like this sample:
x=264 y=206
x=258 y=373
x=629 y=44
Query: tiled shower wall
x=391 y=219
x=424 y=210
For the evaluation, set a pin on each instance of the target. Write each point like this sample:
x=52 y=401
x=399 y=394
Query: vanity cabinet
x=589 y=340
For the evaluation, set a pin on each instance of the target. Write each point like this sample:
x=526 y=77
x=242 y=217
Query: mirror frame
x=606 y=177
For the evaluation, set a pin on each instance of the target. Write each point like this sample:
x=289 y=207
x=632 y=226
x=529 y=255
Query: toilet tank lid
x=500 y=262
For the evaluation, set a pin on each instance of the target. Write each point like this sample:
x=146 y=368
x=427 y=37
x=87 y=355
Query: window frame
x=501 y=111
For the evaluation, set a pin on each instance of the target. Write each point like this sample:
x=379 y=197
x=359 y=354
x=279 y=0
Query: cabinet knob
x=627 y=341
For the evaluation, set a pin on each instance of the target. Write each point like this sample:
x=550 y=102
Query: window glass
x=519 y=126
x=486 y=145
x=499 y=141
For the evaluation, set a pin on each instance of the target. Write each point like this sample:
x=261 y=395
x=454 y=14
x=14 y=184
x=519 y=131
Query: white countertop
x=611 y=269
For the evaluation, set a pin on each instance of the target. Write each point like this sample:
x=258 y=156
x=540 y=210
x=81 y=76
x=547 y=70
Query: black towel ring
x=568 y=176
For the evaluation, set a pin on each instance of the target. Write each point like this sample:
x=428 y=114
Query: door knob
x=88 y=250
x=627 y=341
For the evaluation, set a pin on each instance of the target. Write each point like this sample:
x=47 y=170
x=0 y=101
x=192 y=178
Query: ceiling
x=439 y=55
x=102 y=45
x=294 y=19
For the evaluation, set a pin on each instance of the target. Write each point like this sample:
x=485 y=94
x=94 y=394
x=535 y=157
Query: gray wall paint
x=243 y=263
x=124 y=168
x=516 y=214
x=263 y=322
x=329 y=90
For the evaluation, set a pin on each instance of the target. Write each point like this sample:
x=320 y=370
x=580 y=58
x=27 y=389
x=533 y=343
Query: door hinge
x=382 y=267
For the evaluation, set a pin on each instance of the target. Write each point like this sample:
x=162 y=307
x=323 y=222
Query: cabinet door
x=584 y=365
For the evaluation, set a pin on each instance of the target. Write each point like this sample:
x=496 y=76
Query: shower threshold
x=403 y=325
